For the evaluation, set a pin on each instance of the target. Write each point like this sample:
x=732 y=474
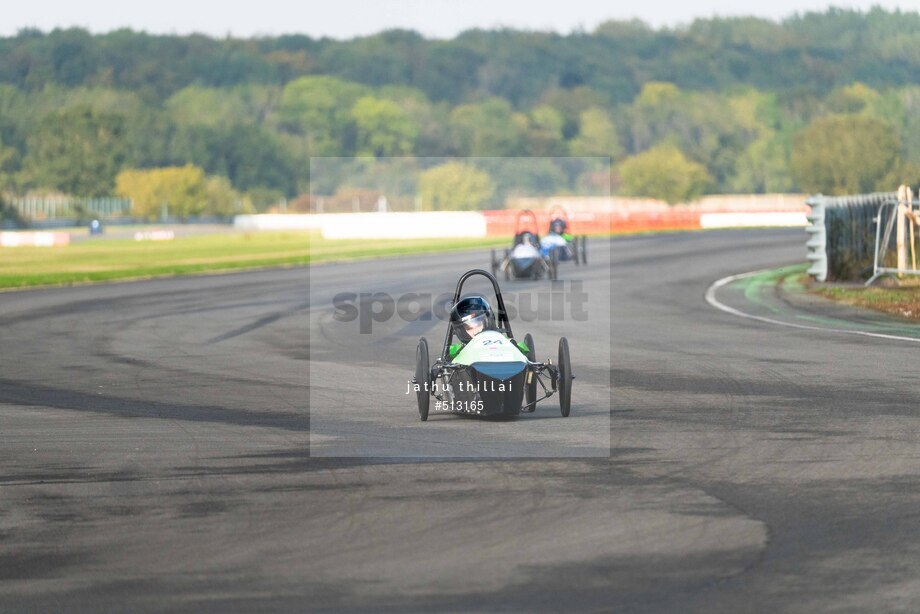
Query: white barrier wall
x=34 y=239
x=753 y=220
x=279 y=221
x=421 y=225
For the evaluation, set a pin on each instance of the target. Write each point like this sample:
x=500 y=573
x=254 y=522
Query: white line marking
x=712 y=300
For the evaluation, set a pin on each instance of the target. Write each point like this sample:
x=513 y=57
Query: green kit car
x=487 y=372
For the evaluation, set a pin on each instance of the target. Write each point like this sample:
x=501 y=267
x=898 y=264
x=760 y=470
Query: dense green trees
x=179 y=192
x=488 y=128
x=77 y=151
x=664 y=172
x=319 y=109
x=747 y=105
x=7 y=162
x=454 y=186
x=596 y=136
x=382 y=128
x=845 y=154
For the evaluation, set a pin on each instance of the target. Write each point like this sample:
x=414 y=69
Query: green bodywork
x=489 y=346
x=455 y=348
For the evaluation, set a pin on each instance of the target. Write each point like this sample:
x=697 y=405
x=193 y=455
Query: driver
x=526 y=238
x=559 y=227
x=468 y=318
x=471 y=316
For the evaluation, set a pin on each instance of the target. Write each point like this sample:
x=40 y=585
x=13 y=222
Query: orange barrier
x=639 y=221
x=502 y=222
x=714 y=203
x=608 y=215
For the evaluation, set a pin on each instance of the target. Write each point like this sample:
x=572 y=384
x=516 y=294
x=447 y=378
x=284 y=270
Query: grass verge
x=114 y=259
x=903 y=301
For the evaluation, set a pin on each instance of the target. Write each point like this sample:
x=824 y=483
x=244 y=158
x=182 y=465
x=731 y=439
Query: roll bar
x=533 y=218
x=504 y=325
x=559 y=209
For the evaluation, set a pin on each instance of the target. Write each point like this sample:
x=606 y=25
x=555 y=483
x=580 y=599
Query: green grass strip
x=115 y=259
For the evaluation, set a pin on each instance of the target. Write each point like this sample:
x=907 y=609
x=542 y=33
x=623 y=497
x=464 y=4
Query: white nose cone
x=490 y=346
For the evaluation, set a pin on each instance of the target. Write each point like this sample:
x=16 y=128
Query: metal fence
x=35 y=209
x=896 y=233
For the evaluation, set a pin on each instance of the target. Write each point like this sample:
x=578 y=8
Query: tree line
x=818 y=102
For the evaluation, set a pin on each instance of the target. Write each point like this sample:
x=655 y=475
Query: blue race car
x=560 y=242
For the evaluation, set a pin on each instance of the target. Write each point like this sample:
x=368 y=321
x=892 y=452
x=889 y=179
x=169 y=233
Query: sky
x=344 y=19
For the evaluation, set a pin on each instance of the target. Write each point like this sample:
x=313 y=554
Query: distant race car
x=487 y=372
x=526 y=259
x=560 y=242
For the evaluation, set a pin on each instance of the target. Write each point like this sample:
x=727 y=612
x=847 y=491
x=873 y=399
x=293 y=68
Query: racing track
x=155 y=451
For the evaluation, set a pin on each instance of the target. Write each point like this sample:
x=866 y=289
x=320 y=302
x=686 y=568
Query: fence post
x=817 y=243
x=910 y=225
x=899 y=236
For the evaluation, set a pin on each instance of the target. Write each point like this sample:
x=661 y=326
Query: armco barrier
x=816 y=246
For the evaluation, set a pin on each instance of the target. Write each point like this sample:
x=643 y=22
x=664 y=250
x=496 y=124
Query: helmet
x=557 y=226
x=470 y=317
x=527 y=238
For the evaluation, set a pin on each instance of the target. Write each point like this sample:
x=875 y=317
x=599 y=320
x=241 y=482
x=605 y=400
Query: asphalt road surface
x=157 y=452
